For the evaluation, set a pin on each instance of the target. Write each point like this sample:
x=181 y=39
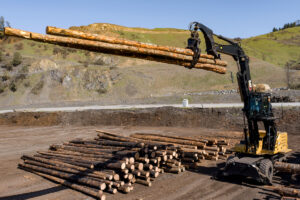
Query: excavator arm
x=257 y=106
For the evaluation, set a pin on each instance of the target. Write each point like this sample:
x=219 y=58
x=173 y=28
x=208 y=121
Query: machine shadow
x=34 y=194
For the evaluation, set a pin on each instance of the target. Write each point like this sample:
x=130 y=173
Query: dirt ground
x=18 y=184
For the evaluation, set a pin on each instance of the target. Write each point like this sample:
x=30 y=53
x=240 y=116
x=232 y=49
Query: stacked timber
x=190 y=151
x=112 y=45
x=287 y=167
x=286 y=192
x=111 y=163
x=108 y=163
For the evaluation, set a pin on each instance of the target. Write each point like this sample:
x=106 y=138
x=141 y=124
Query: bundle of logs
x=286 y=192
x=190 y=151
x=117 y=46
x=111 y=163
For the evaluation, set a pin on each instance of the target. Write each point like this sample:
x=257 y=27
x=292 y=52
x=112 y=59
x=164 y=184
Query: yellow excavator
x=255 y=155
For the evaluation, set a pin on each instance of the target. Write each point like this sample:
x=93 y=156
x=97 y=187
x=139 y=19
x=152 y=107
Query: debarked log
x=113 y=40
x=123 y=50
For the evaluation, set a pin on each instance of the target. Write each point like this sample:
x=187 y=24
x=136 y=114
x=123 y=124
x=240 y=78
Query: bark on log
x=123 y=50
x=119 y=144
x=83 y=149
x=90 y=159
x=80 y=164
x=86 y=190
x=144 y=182
x=95 y=146
x=64 y=169
x=74 y=153
x=285 y=191
x=287 y=167
x=63 y=164
x=125 y=189
x=113 y=40
x=168 y=140
x=68 y=176
x=174 y=137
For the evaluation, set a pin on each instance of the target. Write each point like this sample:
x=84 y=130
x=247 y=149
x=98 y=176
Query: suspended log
x=113 y=40
x=86 y=190
x=124 y=50
x=287 y=167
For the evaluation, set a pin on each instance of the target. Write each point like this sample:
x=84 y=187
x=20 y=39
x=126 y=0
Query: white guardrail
x=95 y=107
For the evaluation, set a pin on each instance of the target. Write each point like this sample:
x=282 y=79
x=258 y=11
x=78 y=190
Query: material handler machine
x=255 y=155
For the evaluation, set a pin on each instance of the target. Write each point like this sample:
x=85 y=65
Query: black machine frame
x=257 y=105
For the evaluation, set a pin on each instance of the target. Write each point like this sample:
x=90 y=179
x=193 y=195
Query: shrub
x=5 y=78
x=56 y=50
x=19 y=46
x=2 y=87
x=12 y=87
x=7 y=66
x=63 y=52
x=27 y=84
x=102 y=90
x=17 y=59
x=38 y=87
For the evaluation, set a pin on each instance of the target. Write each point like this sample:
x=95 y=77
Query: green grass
x=277 y=48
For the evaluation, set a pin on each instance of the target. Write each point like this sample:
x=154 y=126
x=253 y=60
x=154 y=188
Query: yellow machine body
x=281 y=145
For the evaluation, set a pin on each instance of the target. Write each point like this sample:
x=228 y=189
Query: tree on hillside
x=287 y=25
x=3 y=23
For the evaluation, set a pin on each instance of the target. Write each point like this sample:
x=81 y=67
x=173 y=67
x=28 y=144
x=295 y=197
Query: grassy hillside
x=276 y=47
x=50 y=73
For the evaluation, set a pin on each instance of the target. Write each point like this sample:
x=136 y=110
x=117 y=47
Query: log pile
x=105 y=44
x=190 y=151
x=286 y=192
x=287 y=167
x=112 y=163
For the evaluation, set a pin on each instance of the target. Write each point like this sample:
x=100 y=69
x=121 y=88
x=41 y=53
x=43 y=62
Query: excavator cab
x=260 y=105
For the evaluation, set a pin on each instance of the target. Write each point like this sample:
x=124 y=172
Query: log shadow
x=268 y=195
x=288 y=179
x=34 y=194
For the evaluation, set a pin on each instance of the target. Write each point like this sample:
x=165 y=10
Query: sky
x=231 y=18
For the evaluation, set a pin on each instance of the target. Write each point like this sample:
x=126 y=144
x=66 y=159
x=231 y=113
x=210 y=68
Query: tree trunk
x=123 y=50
